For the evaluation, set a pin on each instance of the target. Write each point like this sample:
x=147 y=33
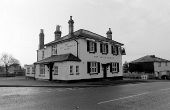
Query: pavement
x=21 y=81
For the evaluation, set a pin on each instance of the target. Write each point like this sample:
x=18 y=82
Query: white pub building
x=79 y=55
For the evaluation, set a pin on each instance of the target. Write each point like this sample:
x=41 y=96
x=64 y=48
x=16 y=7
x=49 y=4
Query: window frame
x=55 y=68
x=28 y=70
x=54 y=49
x=71 y=70
x=77 y=70
x=42 y=69
x=114 y=67
x=91 y=46
x=93 y=67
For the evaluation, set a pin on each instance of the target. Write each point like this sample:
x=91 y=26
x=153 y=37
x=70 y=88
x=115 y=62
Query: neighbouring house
x=81 y=54
x=151 y=65
x=16 y=69
x=29 y=71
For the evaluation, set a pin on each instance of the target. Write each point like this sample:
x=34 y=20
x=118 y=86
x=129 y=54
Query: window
x=55 y=70
x=115 y=50
x=54 y=50
x=42 y=69
x=91 y=46
x=33 y=70
x=159 y=64
x=28 y=70
x=104 y=48
x=42 y=54
x=77 y=70
x=166 y=63
x=71 y=70
x=93 y=67
x=114 y=67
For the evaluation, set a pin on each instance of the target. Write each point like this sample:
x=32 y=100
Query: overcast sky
x=143 y=26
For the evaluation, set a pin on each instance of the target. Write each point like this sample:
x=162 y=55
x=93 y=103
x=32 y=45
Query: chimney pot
x=57 y=33
x=71 y=26
x=109 y=34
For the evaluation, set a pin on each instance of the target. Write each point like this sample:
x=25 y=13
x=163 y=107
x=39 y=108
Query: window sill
x=91 y=52
x=114 y=72
x=93 y=73
x=71 y=74
x=77 y=73
x=42 y=75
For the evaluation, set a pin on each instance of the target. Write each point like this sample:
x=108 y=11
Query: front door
x=104 y=66
x=50 y=67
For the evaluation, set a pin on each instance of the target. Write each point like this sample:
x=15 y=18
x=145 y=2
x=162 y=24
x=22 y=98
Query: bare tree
x=8 y=60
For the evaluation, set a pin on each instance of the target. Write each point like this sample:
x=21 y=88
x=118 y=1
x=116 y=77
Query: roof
x=149 y=58
x=81 y=33
x=59 y=58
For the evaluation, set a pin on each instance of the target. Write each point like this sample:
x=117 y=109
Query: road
x=143 y=96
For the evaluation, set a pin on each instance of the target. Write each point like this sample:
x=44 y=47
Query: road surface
x=144 y=96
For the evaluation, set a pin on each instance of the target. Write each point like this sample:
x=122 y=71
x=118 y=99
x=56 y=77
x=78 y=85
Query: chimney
x=71 y=26
x=109 y=34
x=57 y=33
x=41 y=39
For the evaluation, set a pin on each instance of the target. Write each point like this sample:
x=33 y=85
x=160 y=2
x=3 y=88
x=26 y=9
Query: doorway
x=105 y=66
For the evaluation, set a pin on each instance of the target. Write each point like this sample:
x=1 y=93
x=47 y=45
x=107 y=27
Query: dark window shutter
x=106 y=48
x=110 y=67
x=95 y=47
x=88 y=67
x=88 y=45
x=117 y=67
x=117 y=50
x=98 y=67
x=112 y=49
x=101 y=48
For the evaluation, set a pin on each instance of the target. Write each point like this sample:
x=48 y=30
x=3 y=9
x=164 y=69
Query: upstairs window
x=115 y=50
x=166 y=63
x=54 y=50
x=159 y=64
x=114 y=67
x=104 y=48
x=93 y=67
x=91 y=46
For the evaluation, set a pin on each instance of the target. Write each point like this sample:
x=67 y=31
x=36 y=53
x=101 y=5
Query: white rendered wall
x=163 y=66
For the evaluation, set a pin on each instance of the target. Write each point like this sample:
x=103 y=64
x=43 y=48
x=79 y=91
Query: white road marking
x=165 y=89
x=123 y=98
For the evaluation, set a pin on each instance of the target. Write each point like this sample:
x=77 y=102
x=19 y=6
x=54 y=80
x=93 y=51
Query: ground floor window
x=33 y=70
x=71 y=70
x=77 y=70
x=93 y=67
x=55 y=68
x=114 y=67
x=42 y=69
x=28 y=70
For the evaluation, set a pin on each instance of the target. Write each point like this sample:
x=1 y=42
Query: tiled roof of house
x=149 y=58
x=81 y=33
x=59 y=58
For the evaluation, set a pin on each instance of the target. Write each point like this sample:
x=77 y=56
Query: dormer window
x=104 y=48
x=91 y=46
x=54 y=50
